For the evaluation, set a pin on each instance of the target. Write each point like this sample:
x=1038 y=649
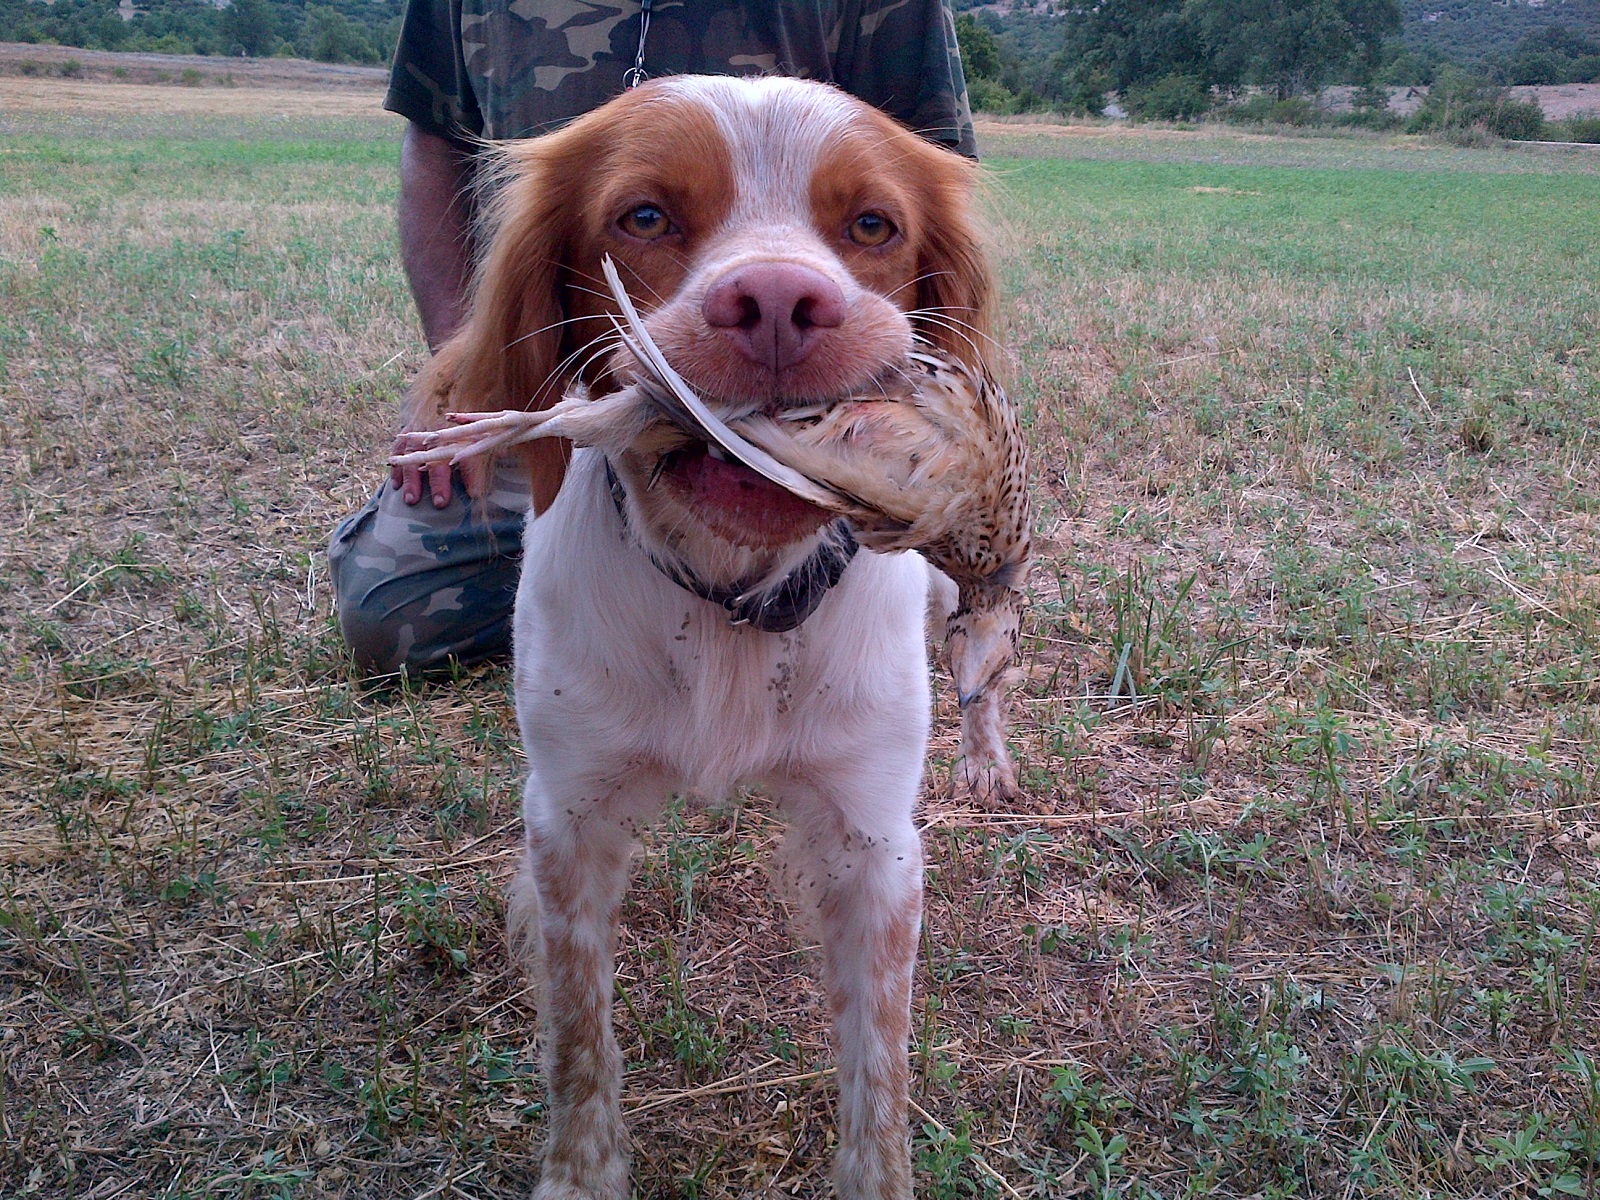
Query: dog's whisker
x=533 y=333
x=584 y=356
x=959 y=330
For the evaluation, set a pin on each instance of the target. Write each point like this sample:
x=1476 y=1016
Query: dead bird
x=932 y=460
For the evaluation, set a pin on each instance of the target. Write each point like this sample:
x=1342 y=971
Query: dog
x=682 y=625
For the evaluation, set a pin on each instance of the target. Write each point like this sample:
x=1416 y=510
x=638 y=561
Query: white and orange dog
x=683 y=625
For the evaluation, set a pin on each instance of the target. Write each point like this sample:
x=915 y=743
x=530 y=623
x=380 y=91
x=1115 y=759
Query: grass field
x=1301 y=900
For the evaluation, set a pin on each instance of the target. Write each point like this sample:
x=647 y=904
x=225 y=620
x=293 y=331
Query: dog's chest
x=615 y=658
x=720 y=670
x=710 y=704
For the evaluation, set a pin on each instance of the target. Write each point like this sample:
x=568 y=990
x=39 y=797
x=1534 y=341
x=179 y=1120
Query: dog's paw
x=881 y=1172
x=587 y=1159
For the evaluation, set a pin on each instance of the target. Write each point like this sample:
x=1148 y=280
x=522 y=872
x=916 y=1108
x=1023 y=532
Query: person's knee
x=379 y=642
x=458 y=624
x=421 y=590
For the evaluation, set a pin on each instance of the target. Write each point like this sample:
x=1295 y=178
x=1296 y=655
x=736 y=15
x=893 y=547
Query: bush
x=990 y=96
x=1580 y=127
x=71 y=69
x=1471 y=137
x=1370 y=109
x=1170 y=98
x=172 y=43
x=1369 y=118
x=1518 y=120
x=1459 y=102
x=1266 y=110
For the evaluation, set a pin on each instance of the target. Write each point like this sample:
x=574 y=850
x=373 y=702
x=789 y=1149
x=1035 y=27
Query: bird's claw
x=988 y=783
x=471 y=434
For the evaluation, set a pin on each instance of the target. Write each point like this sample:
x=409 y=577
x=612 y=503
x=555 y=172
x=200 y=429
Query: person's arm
x=436 y=229
x=436 y=250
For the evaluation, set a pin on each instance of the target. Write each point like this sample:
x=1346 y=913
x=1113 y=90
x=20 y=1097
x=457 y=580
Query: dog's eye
x=647 y=222
x=871 y=229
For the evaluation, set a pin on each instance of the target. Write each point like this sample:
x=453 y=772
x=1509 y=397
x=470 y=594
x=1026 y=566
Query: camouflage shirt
x=515 y=68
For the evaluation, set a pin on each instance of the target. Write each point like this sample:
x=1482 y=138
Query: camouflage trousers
x=419 y=588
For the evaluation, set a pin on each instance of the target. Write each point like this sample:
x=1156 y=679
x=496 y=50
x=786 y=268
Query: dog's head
x=786 y=242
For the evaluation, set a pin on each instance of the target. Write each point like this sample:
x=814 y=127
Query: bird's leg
x=610 y=421
x=987 y=772
x=981 y=639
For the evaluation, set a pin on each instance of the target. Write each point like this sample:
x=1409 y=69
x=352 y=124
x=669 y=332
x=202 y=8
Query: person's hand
x=437 y=479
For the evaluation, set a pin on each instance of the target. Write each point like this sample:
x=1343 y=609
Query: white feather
x=637 y=338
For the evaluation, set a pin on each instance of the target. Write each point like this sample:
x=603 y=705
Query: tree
x=247 y=26
x=333 y=37
x=1292 y=47
x=1289 y=46
x=1553 y=55
x=980 y=53
x=1125 y=43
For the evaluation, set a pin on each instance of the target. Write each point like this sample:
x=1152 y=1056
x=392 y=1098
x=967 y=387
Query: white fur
x=776 y=129
x=630 y=689
x=613 y=656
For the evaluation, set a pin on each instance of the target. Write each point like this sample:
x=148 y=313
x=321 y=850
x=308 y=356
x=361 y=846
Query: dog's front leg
x=866 y=885
x=565 y=909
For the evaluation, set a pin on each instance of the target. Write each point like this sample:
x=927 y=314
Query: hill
x=191 y=70
x=1470 y=31
x=336 y=31
x=1516 y=41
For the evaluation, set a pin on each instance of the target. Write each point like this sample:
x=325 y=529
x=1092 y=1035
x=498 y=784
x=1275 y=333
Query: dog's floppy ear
x=511 y=351
x=955 y=287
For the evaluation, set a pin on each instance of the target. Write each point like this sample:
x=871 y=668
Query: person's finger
x=441 y=484
x=411 y=484
x=407 y=480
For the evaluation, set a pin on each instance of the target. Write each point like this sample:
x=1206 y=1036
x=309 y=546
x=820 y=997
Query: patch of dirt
x=21 y=95
x=1562 y=100
x=55 y=62
x=1558 y=101
x=1070 y=127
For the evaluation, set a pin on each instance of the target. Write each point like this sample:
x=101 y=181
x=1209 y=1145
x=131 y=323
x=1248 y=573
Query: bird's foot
x=473 y=434
x=988 y=782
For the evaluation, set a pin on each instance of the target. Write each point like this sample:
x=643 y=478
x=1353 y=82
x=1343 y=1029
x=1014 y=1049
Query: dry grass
x=1302 y=897
x=19 y=95
x=312 y=79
